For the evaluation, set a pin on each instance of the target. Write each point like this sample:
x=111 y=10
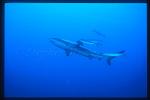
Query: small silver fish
x=99 y=33
x=92 y=42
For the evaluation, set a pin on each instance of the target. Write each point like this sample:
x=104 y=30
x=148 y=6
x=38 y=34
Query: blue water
x=34 y=67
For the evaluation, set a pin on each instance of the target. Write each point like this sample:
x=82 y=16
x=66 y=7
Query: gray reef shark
x=77 y=47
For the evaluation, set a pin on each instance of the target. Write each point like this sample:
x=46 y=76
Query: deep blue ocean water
x=36 y=68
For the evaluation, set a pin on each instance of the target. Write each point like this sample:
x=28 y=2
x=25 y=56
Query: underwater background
x=36 y=68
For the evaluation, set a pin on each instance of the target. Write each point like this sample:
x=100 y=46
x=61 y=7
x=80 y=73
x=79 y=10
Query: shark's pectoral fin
x=68 y=52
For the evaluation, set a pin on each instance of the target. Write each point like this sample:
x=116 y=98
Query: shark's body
x=78 y=48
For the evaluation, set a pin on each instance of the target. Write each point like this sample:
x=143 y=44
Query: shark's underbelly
x=80 y=52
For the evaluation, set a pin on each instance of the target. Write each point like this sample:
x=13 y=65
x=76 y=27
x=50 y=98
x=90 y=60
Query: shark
x=78 y=48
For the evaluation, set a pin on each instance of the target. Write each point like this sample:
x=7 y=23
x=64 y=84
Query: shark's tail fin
x=109 y=58
x=121 y=52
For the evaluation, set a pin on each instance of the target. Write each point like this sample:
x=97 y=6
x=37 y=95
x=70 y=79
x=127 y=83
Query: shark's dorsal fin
x=67 y=52
x=79 y=43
